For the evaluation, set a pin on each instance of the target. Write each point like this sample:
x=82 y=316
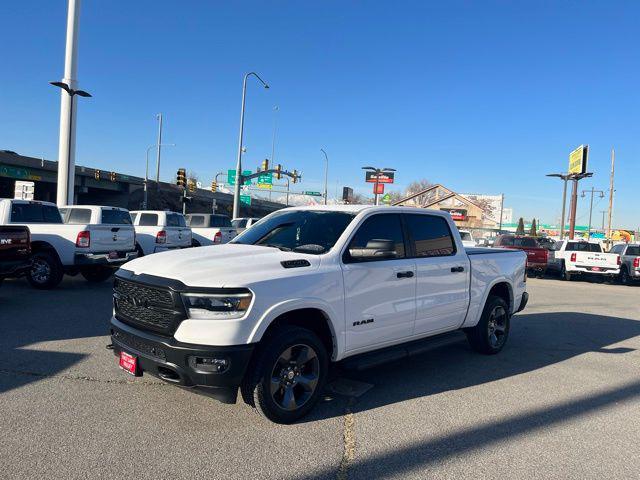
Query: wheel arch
x=42 y=246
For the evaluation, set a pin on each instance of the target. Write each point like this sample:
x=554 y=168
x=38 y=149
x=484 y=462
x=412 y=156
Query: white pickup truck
x=572 y=258
x=57 y=248
x=159 y=231
x=307 y=286
x=210 y=228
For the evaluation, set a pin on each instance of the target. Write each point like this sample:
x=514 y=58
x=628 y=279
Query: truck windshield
x=302 y=231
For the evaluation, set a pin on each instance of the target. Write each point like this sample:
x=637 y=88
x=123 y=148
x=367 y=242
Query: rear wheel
x=195 y=243
x=564 y=274
x=490 y=334
x=45 y=272
x=285 y=380
x=96 y=274
x=139 y=251
x=625 y=279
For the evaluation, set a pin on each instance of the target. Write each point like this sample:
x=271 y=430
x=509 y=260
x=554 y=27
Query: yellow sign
x=578 y=159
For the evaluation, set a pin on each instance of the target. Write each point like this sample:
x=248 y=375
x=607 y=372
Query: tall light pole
x=65 y=194
x=158 y=145
x=593 y=190
x=273 y=140
x=377 y=172
x=326 y=174
x=236 y=191
x=146 y=172
x=565 y=178
x=66 y=145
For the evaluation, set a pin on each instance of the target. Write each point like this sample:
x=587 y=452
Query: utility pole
x=611 y=190
x=66 y=145
x=158 y=146
x=326 y=174
x=501 y=211
x=603 y=212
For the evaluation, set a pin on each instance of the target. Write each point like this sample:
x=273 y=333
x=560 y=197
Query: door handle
x=408 y=274
x=457 y=269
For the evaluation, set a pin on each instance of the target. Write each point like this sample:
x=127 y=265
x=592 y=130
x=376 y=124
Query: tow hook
x=109 y=347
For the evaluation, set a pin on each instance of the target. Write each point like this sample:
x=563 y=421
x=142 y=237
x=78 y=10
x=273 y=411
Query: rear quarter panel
x=490 y=268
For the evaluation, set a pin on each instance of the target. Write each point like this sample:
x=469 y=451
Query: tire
x=490 y=335
x=139 y=250
x=290 y=398
x=45 y=272
x=195 y=243
x=96 y=274
x=566 y=276
x=624 y=277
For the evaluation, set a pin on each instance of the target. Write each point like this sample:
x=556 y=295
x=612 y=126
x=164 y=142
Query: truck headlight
x=216 y=306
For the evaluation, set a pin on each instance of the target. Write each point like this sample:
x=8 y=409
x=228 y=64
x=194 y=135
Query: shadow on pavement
x=29 y=316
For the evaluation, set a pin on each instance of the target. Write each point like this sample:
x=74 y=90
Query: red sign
x=457 y=214
x=128 y=363
x=378 y=188
x=383 y=177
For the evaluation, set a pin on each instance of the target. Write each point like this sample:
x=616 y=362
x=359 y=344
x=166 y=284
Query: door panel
x=442 y=274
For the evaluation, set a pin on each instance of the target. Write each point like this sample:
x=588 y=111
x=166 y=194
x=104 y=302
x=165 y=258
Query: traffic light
x=295 y=176
x=192 y=186
x=112 y=176
x=265 y=165
x=278 y=171
x=214 y=186
x=96 y=174
x=181 y=177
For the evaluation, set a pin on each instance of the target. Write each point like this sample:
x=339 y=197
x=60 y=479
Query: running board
x=368 y=360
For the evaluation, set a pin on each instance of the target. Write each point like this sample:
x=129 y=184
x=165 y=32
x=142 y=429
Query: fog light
x=210 y=364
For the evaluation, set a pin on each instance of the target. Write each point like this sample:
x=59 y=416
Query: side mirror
x=377 y=249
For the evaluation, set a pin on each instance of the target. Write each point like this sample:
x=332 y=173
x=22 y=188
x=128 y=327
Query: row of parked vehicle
x=44 y=242
x=576 y=258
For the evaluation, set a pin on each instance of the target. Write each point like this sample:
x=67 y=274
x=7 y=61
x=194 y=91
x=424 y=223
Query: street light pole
x=592 y=191
x=326 y=174
x=66 y=184
x=146 y=173
x=236 y=190
x=158 y=144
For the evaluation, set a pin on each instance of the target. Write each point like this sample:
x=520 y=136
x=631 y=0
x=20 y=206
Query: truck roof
x=361 y=208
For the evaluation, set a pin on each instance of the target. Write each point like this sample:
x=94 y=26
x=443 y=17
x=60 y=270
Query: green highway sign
x=245 y=199
x=265 y=180
x=231 y=176
x=313 y=194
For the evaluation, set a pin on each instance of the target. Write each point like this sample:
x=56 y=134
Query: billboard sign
x=382 y=177
x=457 y=214
x=578 y=160
x=378 y=188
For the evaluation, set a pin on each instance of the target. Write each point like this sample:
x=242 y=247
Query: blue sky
x=482 y=97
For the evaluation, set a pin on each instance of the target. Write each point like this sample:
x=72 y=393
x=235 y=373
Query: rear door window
x=220 y=221
x=148 y=219
x=115 y=216
x=195 y=220
x=78 y=216
x=583 y=247
x=34 y=213
x=618 y=249
x=431 y=236
x=633 y=251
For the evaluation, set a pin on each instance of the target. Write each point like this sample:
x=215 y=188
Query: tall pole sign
x=577 y=170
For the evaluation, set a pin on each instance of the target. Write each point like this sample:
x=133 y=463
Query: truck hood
x=228 y=265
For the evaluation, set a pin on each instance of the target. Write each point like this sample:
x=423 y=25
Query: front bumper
x=88 y=259
x=178 y=363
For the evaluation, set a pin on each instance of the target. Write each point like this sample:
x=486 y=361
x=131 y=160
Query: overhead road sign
x=231 y=176
x=313 y=194
x=578 y=160
x=245 y=199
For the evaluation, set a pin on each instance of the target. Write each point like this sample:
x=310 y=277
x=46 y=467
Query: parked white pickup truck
x=57 y=248
x=159 y=231
x=307 y=286
x=572 y=258
x=210 y=229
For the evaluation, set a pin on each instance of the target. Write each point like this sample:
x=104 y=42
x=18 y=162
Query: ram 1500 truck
x=268 y=312
x=160 y=231
x=15 y=251
x=629 y=262
x=537 y=256
x=94 y=251
x=572 y=258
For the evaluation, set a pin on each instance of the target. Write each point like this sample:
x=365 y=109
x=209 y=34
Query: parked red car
x=537 y=256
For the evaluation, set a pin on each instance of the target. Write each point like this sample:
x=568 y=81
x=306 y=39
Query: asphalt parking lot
x=561 y=401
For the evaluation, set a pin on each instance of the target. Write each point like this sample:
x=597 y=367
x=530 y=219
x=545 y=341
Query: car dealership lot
x=560 y=401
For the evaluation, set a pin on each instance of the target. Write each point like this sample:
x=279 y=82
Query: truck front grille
x=149 y=308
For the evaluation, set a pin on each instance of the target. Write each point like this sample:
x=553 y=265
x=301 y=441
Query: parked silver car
x=629 y=262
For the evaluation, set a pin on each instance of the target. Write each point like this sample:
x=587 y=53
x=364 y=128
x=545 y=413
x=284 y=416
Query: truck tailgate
x=108 y=238
x=595 y=259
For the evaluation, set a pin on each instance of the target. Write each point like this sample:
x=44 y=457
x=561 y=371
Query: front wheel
x=490 y=334
x=288 y=375
x=96 y=274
